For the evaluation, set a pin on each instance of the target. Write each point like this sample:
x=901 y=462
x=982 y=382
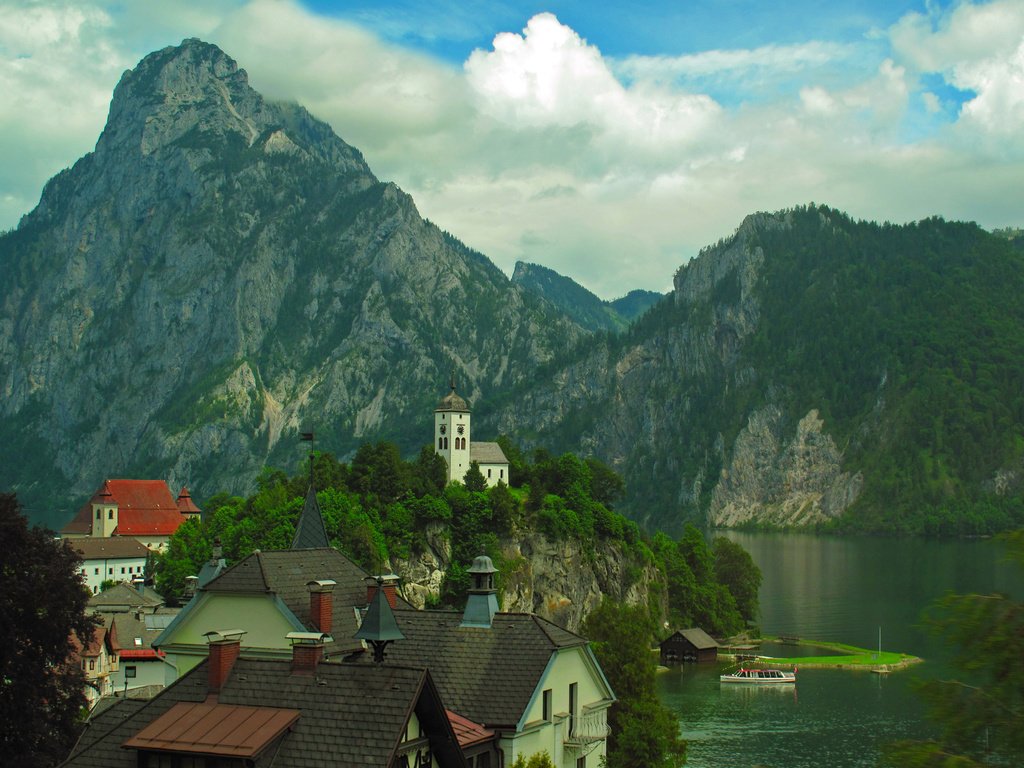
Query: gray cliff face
x=559 y=581
x=222 y=270
x=637 y=403
x=782 y=480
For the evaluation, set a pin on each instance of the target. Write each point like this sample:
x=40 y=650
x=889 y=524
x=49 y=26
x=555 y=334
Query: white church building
x=453 y=440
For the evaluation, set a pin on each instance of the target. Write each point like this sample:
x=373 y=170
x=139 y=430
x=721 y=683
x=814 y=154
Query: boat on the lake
x=760 y=677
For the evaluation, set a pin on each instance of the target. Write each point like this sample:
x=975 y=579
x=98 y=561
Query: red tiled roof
x=140 y=653
x=153 y=522
x=206 y=728
x=466 y=731
x=185 y=504
x=95 y=642
x=144 y=508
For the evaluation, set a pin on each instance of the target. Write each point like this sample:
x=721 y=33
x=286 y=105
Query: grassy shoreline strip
x=853 y=658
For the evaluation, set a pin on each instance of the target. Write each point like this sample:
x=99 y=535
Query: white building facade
x=453 y=441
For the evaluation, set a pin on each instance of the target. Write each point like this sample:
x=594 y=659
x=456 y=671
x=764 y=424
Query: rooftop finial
x=307 y=437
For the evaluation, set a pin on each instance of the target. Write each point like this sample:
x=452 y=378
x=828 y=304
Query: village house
x=308 y=588
x=134 y=616
x=98 y=659
x=236 y=711
x=114 y=559
x=537 y=686
x=143 y=510
x=453 y=441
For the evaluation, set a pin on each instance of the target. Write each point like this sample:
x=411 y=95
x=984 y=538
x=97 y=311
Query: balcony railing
x=586 y=728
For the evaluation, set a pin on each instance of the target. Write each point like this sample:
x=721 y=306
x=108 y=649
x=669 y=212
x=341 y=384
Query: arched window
x=446 y=443
x=440 y=443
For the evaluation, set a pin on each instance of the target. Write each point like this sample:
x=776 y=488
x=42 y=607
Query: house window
x=501 y=473
x=574 y=707
x=110 y=514
x=483 y=761
x=96 y=571
x=110 y=571
x=92 y=665
x=488 y=473
x=98 y=514
x=440 y=443
x=122 y=569
x=547 y=705
x=581 y=762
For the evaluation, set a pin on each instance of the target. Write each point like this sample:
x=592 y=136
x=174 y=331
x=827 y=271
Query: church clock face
x=444 y=429
x=461 y=429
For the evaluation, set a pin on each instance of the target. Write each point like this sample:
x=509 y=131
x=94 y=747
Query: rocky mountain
x=220 y=272
x=580 y=304
x=811 y=370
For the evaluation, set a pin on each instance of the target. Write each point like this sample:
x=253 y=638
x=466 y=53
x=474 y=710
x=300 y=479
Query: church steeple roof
x=310 y=531
x=452 y=401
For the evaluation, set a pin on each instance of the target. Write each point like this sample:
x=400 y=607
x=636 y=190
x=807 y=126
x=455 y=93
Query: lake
x=845 y=590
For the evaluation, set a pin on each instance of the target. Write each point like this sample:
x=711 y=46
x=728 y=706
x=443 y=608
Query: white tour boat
x=760 y=677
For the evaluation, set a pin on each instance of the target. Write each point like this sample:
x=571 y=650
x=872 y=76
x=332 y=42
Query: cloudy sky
x=608 y=141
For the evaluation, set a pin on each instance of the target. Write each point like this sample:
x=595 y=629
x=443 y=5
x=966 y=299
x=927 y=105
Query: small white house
x=117 y=558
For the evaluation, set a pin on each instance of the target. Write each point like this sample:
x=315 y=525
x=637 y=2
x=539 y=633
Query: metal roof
x=204 y=728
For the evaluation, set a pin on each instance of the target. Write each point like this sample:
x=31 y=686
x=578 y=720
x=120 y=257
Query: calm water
x=843 y=590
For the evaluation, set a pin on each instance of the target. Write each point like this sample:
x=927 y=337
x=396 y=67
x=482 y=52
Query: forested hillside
x=813 y=370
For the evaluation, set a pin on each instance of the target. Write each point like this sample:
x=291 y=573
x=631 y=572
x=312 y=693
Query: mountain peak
x=176 y=89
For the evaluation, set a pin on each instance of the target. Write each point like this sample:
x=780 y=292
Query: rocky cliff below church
x=562 y=581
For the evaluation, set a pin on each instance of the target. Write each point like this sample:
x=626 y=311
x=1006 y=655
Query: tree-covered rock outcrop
x=559 y=545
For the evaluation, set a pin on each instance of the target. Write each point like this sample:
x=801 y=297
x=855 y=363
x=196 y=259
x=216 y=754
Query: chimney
x=389 y=585
x=307 y=651
x=321 y=604
x=225 y=645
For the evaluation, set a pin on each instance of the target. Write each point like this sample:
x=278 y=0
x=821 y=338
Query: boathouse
x=688 y=645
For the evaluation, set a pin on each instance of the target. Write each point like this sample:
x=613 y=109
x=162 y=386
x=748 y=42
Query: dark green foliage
x=42 y=605
x=383 y=507
x=698 y=594
x=474 y=479
x=735 y=569
x=644 y=732
x=982 y=713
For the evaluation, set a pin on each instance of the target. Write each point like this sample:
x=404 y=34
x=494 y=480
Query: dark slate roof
x=126 y=596
x=310 y=532
x=487 y=453
x=453 y=402
x=487 y=675
x=286 y=573
x=351 y=714
x=109 y=547
x=696 y=636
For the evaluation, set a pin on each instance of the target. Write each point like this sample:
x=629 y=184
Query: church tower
x=451 y=433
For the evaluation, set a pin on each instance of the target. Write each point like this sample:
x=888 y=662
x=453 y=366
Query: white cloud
x=977 y=48
x=540 y=148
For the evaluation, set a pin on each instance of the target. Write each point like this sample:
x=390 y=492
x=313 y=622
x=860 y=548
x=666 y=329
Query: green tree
x=474 y=479
x=736 y=570
x=644 y=732
x=537 y=760
x=42 y=605
x=981 y=715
